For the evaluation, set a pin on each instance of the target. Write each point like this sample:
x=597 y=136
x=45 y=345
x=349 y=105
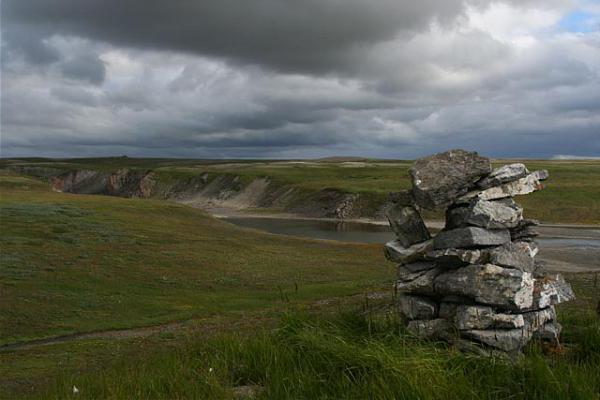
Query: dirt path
x=106 y=334
x=206 y=326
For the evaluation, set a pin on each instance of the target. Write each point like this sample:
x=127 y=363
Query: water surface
x=371 y=233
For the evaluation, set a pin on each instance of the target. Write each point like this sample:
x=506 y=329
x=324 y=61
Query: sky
x=299 y=78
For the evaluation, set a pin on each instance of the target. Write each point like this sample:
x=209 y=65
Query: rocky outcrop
x=208 y=190
x=408 y=225
x=123 y=183
x=476 y=284
x=441 y=178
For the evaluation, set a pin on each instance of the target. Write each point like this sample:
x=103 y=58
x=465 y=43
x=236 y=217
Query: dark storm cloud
x=291 y=35
x=296 y=78
x=27 y=41
x=87 y=67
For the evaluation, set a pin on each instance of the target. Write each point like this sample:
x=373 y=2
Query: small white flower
x=210 y=369
x=75 y=390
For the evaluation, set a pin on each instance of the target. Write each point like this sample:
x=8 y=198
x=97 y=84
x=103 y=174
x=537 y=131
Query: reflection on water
x=365 y=233
x=332 y=230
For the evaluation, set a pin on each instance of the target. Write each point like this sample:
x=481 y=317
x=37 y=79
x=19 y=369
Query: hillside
x=330 y=189
x=147 y=298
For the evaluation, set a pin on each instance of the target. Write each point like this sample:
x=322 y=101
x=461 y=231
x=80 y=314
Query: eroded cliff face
x=122 y=183
x=214 y=190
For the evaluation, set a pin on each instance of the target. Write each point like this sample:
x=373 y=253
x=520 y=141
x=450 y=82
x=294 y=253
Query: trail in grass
x=197 y=325
x=127 y=333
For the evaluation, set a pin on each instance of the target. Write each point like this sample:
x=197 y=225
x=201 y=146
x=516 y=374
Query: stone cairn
x=476 y=283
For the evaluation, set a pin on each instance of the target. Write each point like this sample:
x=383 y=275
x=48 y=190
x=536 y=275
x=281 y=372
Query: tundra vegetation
x=178 y=304
x=573 y=196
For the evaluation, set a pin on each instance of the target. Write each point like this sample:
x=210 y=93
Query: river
x=563 y=248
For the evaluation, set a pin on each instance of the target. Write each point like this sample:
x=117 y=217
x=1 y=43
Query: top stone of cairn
x=440 y=179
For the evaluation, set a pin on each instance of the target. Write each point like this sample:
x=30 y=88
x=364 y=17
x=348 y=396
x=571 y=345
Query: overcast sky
x=300 y=78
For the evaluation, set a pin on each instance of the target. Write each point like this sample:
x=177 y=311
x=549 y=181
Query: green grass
x=573 y=194
x=73 y=263
x=346 y=350
x=348 y=356
x=76 y=263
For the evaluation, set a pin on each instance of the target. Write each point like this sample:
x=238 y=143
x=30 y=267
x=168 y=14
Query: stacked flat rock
x=476 y=283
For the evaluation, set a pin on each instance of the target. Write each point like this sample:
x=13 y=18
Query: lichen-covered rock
x=402 y=198
x=484 y=317
x=456 y=216
x=489 y=284
x=494 y=214
x=504 y=174
x=549 y=332
x=431 y=329
x=395 y=252
x=535 y=320
x=470 y=237
x=522 y=186
x=407 y=224
x=509 y=340
x=458 y=257
x=525 y=230
x=419 y=266
x=551 y=290
x=476 y=284
x=447 y=310
x=420 y=282
x=468 y=346
x=417 y=307
x=441 y=178
x=519 y=255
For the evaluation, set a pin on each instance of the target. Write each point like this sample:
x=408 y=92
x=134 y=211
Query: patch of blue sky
x=580 y=21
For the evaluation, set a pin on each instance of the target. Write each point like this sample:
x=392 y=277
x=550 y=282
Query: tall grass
x=347 y=357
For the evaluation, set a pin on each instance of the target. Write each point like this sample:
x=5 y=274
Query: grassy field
x=75 y=263
x=573 y=194
x=286 y=315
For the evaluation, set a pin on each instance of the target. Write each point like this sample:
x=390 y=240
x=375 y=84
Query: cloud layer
x=301 y=78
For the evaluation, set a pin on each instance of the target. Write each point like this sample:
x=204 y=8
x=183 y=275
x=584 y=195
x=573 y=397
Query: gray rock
x=470 y=237
x=419 y=266
x=416 y=282
x=467 y=346
x=542 y=174
x=452 y=298
x=540 y=270
x=529 y=222
x=456 y=216
x=407 y=224
x=551 y=290
x=494 y=214
x=535 y=320
x=509 y=340
x=395 y=252
x=441 y=178
x=402 y=198
x=489 y=284
x=504 y=174
x=525 y=231
x=447 y=310
x=519 y=255
x=431 y=329
x=549 y=332
x=484 y=317
x=458 y=257
x=522 y=186
x=417 y=307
